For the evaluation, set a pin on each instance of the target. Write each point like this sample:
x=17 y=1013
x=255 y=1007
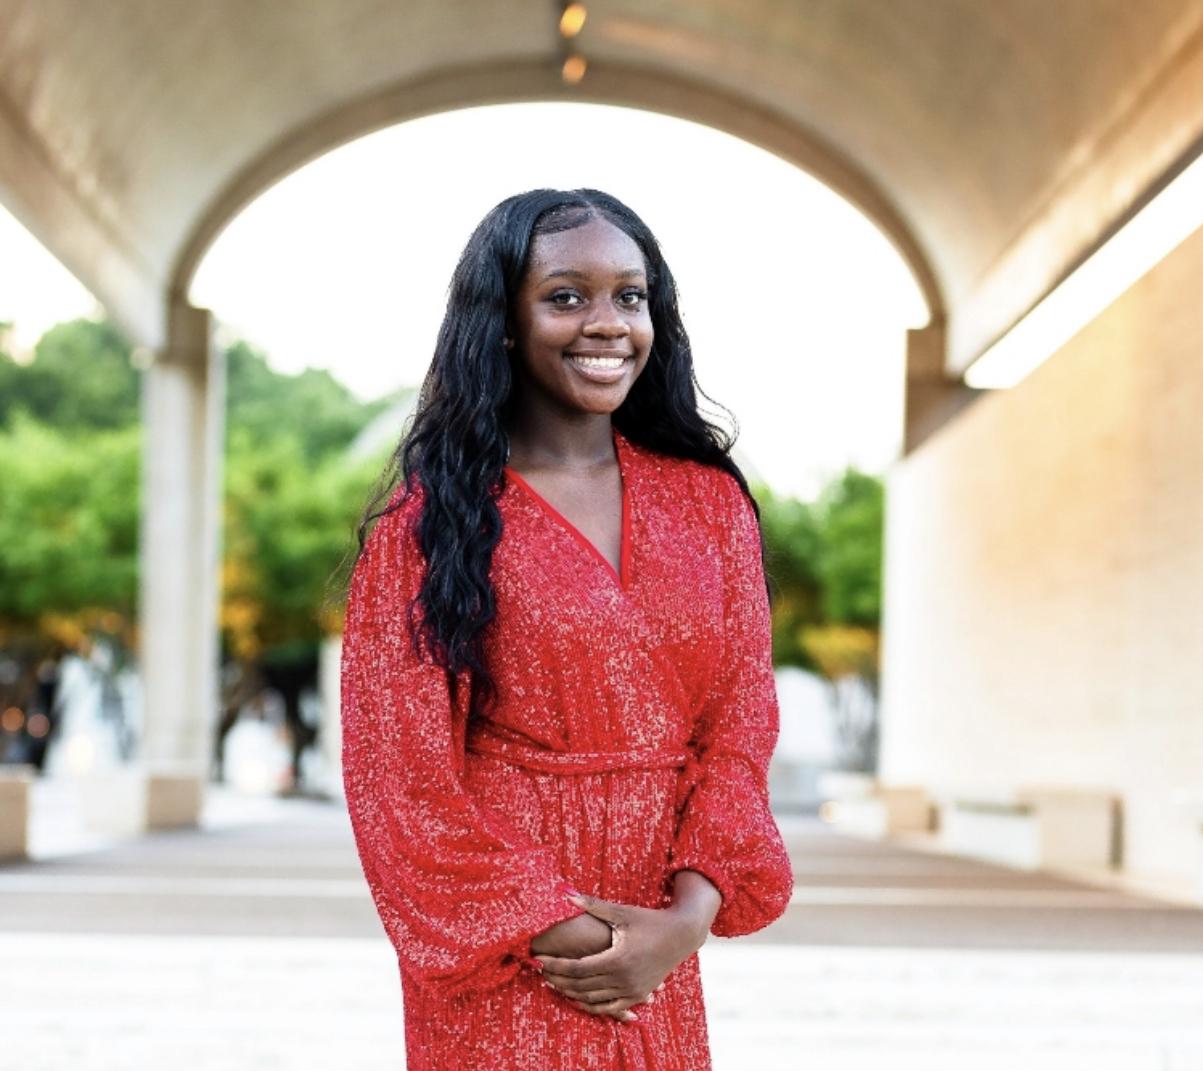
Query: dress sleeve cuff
x=558 y=909
x=706 y=867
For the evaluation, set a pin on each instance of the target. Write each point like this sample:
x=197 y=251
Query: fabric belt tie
x=486 y=738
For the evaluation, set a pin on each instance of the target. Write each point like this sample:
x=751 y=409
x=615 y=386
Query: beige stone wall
x=1044 y=591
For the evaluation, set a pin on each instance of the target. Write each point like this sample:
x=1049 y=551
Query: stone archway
x=185 y=384
x=508 y=83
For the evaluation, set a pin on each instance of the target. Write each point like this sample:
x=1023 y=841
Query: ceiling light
x=572 y=19
x=574 y=69
x=1144 y=241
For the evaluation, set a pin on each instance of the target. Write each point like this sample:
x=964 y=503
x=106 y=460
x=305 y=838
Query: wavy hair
x=456 y=443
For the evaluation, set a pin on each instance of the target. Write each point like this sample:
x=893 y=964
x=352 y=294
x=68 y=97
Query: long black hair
x=456 y=443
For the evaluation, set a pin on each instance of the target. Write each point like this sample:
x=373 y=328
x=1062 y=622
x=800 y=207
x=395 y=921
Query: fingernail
x=632 y=1017
x=567 y=889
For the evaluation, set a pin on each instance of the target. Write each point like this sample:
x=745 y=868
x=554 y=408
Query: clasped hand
x=643 y=946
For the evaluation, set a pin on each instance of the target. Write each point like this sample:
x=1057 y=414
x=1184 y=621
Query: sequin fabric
x=636 y=718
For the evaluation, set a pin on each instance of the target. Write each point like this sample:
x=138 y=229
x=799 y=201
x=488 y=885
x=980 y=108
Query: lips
x=615 y=368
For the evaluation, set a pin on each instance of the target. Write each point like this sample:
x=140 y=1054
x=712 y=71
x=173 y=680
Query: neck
x=574 y=443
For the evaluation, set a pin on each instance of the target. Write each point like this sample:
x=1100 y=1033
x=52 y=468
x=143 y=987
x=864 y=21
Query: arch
x=509 y=83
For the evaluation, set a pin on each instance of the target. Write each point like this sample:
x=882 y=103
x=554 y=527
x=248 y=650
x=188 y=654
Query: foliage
x=291 y=502
x=69 y=481
x=825 y=559
x=792 y=543
x=852 y=508
x=68 y=523
x=80 y=378
x=288 y=524
x=843 y=650
x=311 y=409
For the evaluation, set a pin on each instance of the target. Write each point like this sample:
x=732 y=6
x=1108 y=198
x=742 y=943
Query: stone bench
x=1032 y=827
x=860 y=804
x=1198 y=890
x=16 y=787
x=1189 y=803
x=93 y=807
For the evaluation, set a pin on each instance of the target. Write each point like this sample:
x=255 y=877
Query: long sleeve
x=459 y=893
x=725 y=829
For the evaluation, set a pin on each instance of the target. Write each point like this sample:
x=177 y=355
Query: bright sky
x=796 y=305
x=36 y=291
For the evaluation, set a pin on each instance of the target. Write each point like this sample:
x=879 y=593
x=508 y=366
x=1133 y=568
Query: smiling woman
x=556 y=666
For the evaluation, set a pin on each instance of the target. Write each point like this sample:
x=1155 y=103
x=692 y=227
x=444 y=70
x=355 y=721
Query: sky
x=36 y=291
x=796 y=305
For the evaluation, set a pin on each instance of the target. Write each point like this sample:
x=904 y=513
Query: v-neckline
x=622 y=577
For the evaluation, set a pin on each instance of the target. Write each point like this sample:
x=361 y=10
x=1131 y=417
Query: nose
x=608 y=323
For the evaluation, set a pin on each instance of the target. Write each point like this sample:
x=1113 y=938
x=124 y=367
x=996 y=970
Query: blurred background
x=939 y=263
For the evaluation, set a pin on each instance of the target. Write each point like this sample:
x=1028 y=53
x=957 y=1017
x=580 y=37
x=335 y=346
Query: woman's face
x=581 y=326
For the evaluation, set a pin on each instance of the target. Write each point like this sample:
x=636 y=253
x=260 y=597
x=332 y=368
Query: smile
x=600 y=369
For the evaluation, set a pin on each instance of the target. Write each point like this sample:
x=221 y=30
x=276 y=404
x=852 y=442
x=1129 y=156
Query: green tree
x=845 y=644
x=825 y=560
x=68 y=522
x=288 y=525
x=69 y=482
x=68 y=559
x=792 y=543
x=852 y=512
x=80 y=377
x=311 y=408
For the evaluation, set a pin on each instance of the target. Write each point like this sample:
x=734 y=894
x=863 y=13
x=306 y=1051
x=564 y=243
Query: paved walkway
x=253 y=945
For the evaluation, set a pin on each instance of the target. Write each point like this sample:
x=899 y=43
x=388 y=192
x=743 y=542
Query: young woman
x=558 y=699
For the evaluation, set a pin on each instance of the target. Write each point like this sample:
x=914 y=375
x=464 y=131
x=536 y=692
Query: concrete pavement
x=252 y=944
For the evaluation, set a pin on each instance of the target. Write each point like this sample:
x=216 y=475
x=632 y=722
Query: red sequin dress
x=637 y=714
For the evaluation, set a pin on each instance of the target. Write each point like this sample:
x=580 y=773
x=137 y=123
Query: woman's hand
x=573 y=938
x=648 y=943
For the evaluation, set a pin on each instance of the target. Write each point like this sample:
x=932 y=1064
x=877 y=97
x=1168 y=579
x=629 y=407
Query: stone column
x=183 y=420
x=932 y=397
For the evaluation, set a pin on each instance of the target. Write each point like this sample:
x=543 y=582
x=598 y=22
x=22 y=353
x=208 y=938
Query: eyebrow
x=570 y=273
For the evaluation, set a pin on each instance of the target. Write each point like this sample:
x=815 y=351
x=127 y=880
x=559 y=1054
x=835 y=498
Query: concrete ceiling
x=995 y=142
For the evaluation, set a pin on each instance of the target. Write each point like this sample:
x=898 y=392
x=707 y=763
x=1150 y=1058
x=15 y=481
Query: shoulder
x=683 y=475
x=391 y=541
x=726 y=507
x=678 y=486
x=713 y=487
x=690 y=483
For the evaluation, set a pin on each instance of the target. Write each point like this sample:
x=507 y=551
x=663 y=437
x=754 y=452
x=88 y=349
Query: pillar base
x=113 y=802
x=135 y=799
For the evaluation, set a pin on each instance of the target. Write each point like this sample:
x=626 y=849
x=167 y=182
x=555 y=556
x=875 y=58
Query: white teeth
x=600 y=362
